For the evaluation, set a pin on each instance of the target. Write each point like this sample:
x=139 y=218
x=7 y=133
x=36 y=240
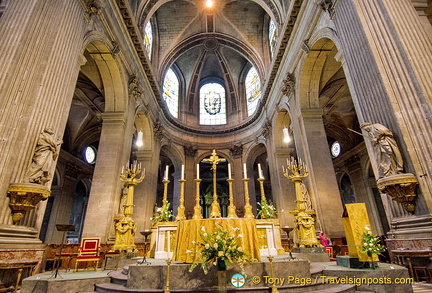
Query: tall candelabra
x=165 y=182
x=304 y=222
x=231 y=208
x=125 y=226
x=197 y=207
x=181 y=208
x=261 y=183
x=248 y=208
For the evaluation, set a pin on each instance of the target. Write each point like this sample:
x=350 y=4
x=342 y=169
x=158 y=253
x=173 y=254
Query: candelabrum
x=168 y=276
x=261 y=182
x=304 y=221
x=231 y=208
x=248 y=208
x=181 y=208
x=197 y=207
x=125 y=226
x=165 y=194
x=274 y=288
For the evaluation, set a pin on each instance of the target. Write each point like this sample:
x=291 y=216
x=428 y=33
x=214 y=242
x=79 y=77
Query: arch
x=113 y=80
x=322 y=43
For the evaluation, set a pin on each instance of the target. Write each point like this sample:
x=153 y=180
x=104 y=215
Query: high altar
x=174 y=240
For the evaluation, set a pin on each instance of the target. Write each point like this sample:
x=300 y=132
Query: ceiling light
x=209 y=3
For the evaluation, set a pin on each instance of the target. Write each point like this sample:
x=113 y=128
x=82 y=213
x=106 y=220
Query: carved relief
x=288 y=87
x=236 y=151
x=190 y=151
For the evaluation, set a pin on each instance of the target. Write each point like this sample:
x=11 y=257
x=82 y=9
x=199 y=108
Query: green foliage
x=371 y=244
x=267 y=211
x=163 y=214
x=220 y=248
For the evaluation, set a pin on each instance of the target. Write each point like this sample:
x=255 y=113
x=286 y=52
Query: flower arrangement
x=267 y=211
x=220 y=248
x=162 y=214
x=371 y=244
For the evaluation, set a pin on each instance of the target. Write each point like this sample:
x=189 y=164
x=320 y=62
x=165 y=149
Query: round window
x=90 y=154
x=335 y=149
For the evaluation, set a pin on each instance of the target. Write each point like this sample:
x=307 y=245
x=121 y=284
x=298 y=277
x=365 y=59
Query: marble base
x=309 y=250
x=153 y=277
x=351 y=262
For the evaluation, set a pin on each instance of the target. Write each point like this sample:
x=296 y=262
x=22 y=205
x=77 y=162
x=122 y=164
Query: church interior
x=144 y=124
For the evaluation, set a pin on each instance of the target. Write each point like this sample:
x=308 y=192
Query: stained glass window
x=212 y=104
x=171 y=92
x=148 y=39
x=253 y=90
x=272 y=36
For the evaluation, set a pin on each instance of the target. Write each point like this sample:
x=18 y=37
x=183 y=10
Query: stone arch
x=112 y=78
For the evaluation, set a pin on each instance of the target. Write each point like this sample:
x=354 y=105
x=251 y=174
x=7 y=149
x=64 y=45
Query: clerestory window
x=171 y=92
x=272 y=36
x=212 y=104
x=253 y=90
x=148 y=39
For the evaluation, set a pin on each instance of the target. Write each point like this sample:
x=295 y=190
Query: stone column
x=392 y=71
x=37 y=79
x=325 y=194
x=106 y=186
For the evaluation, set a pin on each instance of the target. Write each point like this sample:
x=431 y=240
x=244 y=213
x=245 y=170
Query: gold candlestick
x=197 y=207
x=304 y=222
x=125 y=226
x=231 y=208
x=181 y=207
x=165 y=194
x=274 y=289
x=261 y=182
x=168 y=276
x=248 y=208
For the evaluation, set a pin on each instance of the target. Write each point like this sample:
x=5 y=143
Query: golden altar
x=189 y=230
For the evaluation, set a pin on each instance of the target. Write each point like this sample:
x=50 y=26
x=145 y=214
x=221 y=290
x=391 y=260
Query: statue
x=387 y=153
x=46 y=152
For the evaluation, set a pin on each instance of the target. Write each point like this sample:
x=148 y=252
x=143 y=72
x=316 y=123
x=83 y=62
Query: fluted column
x=37 y=79
x=391 y=72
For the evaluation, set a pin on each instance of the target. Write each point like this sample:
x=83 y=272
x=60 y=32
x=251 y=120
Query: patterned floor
x=422 y=287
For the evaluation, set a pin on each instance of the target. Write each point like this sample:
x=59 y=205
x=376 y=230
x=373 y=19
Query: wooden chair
x=88 y=251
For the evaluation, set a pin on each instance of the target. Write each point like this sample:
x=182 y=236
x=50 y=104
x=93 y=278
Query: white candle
x=244 y=170
x=182 y=172
x=260 y=174
x=229 y=171
x=283 y=169
x=166 y=172
x=197 y=171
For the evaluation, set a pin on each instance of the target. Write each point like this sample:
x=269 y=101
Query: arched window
x=253 y=90
x=212 y=104
x=171 y=92
x=148 y=39
x=272 y=36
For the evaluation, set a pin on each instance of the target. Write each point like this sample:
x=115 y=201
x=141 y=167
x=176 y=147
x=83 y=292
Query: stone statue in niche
x=46 y=152
x=387 y=153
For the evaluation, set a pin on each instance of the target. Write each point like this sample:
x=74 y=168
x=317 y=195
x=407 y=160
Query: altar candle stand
x=165 y=182
x=197 y=207
x=231 y=208
x=181 y=208
x=247 y=207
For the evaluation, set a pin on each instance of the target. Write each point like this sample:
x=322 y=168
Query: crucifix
x=215 y=207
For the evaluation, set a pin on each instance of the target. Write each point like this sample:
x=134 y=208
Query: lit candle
x=260 y=174
x=166 y=172
x=182 y=172
x=197 y=171
x=244 y=170
x=229 y=171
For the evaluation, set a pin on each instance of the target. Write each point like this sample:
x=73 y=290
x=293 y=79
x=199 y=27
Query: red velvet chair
x=88 y=251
